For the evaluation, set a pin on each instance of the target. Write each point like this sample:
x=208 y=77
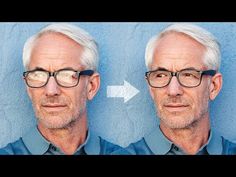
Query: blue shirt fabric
x=33 y=143
x=155 y=143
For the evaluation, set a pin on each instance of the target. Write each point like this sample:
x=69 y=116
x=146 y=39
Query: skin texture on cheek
x=73 y=107
x=80 y=104
x=196 y=108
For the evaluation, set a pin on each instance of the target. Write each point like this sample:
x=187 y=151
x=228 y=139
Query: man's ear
x=216 y=85
x=93 y=85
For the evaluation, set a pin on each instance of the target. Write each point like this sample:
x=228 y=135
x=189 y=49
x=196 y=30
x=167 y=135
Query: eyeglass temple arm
x=209 y=72
x=86 y=72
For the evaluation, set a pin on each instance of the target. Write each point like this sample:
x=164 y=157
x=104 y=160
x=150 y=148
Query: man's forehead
x=55 y=52
x=176 y=51
x=177 y=65
x=54 y=40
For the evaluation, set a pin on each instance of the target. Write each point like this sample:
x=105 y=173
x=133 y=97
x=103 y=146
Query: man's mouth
x=54 y=107
x=176 y=107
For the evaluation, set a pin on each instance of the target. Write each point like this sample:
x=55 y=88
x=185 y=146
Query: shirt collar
x=159 y=144
x=92 y=146
x=38 y=145
x=35 y=142
x=214 y=145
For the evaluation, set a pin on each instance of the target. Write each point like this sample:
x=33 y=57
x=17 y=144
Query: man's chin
x=50 y=113
x=54 y=121
x=55 y=125
x=176 y=121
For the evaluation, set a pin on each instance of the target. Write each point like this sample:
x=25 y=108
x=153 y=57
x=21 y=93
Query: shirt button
x=176 y=148
x=54 y=148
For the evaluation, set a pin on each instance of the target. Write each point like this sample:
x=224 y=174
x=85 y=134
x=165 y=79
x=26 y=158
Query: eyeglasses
x=65 y=77
x=187 y=77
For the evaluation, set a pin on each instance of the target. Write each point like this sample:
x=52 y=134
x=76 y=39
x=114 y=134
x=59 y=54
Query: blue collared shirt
x=155 y=143
x=33 y=143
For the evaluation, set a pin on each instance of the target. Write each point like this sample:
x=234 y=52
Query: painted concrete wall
x=122 y=47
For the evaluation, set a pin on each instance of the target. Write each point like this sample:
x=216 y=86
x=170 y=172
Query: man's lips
x=176 y=107
x=54 y=107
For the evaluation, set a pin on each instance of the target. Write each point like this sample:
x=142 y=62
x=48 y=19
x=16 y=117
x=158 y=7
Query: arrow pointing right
x=127 y=91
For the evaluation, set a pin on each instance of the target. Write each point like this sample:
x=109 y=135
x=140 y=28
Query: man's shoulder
x=229 y=147
x=14 y=148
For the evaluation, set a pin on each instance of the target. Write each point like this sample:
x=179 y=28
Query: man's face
x=177 y=106
x=55 y=106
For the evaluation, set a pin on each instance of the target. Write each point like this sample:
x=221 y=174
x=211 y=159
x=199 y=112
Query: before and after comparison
x=117 y=88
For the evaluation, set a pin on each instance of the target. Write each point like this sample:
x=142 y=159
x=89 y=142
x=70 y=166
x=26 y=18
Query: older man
x=61 y=75
x=183 y=63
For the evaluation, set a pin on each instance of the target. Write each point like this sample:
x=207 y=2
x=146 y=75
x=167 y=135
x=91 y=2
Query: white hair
x=89 y=56
x=212 y=54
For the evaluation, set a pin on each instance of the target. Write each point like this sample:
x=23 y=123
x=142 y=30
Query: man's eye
x=74 y=76
x=68 y=75
x=161 y=75
x=37 y=74
x=190 y=75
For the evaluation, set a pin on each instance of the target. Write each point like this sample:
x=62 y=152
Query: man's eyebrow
x=42 y=69
x=160 y=68
x=39 y=68
x=190 y=68
x=164 y=69
x=69 y=68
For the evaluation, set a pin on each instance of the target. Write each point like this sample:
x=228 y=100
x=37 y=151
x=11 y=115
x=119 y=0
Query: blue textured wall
x=122 y=47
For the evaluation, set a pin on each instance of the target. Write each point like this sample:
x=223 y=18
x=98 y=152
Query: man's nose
x=52 y=88
x=174 y=88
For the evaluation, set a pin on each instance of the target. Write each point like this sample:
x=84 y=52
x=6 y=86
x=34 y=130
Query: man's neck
x=67 y=139
x=190 y=139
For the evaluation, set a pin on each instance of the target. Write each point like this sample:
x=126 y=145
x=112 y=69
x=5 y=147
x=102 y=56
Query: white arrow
x=127 y=91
